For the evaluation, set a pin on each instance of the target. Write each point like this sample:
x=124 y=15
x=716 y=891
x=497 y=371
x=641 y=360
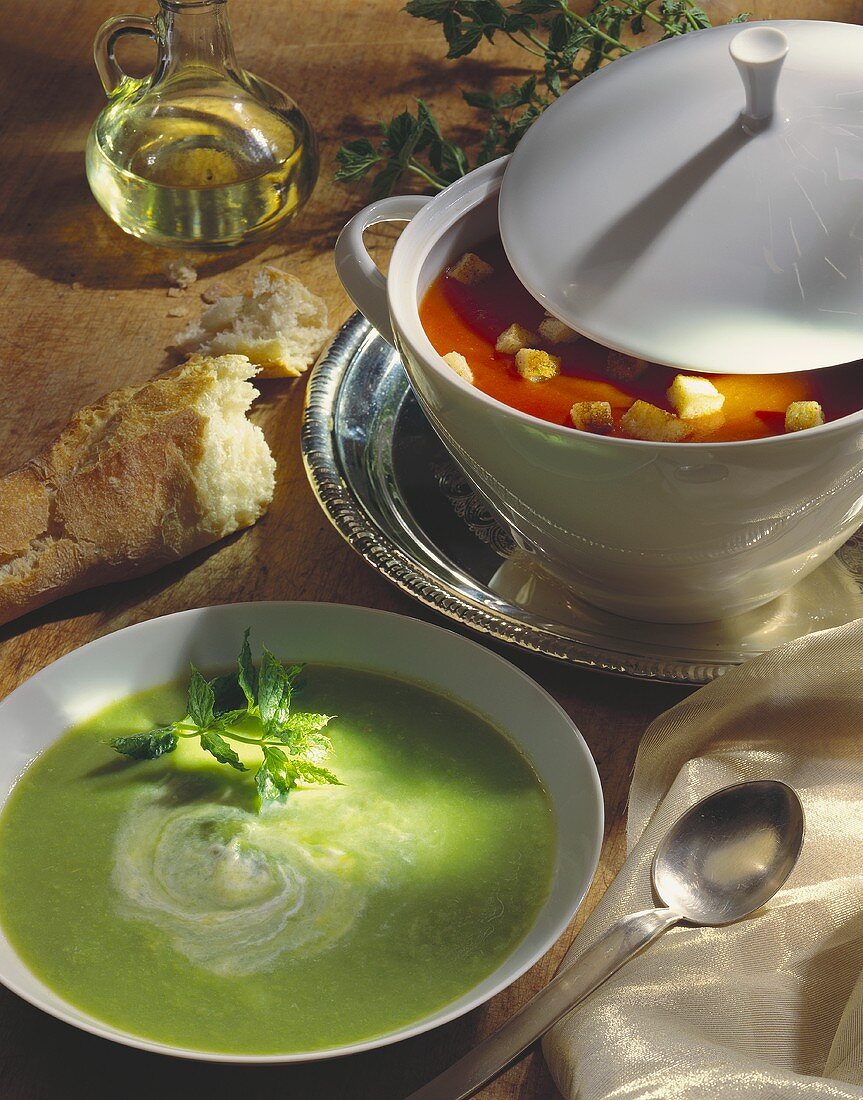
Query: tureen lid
x=675 y=212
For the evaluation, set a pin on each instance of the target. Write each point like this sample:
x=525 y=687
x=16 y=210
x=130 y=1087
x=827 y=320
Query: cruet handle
x=110 y=73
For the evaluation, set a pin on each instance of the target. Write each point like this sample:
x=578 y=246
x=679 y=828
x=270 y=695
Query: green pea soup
x=154 y=896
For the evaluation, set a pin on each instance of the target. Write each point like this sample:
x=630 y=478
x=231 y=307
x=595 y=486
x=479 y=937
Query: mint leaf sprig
x=293 y=744
x=564 y=46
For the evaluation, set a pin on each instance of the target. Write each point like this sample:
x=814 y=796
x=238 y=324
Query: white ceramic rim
x=452 y=205
x=81 y=1020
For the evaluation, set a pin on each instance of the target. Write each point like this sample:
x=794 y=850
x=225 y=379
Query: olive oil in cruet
x=200 y=153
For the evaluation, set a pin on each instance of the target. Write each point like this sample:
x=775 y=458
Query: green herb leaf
x=356 y=158
x=385 y=181
x=436 y=10
x=219 y=747
x=313 y=773
x=274 y=778
x=202 y=699
x=247 y=675
x=228 y=696
x=483 y=101
x=147 y=746
x=231 y=717
x=565 y=42
x=275 y=685
x=300 y=729
x=249 y=697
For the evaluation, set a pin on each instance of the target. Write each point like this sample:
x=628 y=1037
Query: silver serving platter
x=387 y=483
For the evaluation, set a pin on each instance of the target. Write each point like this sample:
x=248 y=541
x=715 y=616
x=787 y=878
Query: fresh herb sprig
x=567 y=46
x=293 y=744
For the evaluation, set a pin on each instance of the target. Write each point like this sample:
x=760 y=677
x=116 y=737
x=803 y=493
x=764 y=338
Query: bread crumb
x=459 y=364
x=280 y=325
x=645 y=421
x=180 y=273
x=513 y=339
x=592 y=416
x=694 y=397
x=801 y=415
x=556 y=332
x=177 y=311
x=536 y=366
x=623 y=368
x=470 y=270
x=213 y=293
x=174 y=292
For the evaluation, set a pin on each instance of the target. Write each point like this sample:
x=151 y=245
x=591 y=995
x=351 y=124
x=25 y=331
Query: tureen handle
x=758 y=53
x=358 y=272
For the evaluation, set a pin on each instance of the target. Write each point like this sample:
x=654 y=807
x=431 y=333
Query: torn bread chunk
x=142 y=477
x=694 y=397
x=513 y=339
x=556 y=332
x=623 y=368
x=470 y=270
x=280 y=326
x=536 y=366
x=801 y=415
x=459 y=364
x=645 y=421
x=592 y=416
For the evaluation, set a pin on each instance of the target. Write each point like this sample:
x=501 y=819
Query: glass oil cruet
x=200 y=153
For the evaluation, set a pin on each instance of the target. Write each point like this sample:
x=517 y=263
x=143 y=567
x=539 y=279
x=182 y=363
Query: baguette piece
x=280 y=325
x=139 y=479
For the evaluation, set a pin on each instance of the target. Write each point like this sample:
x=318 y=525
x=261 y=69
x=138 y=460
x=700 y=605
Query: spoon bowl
x=730 y=853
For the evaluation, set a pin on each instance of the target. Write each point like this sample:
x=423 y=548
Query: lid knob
x=758 y=54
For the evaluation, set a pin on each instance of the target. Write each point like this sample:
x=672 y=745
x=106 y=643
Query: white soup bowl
x=72 y=689
x=666 y=532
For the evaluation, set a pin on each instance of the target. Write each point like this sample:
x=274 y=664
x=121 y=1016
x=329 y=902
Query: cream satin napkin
x=772 y=1006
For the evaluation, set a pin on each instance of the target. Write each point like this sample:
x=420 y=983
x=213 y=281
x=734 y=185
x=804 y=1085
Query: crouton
x=470 y=270
x=645 y=421
x=513 y=339
x=536 y=366
x=592 y=416
x=623 y=368
x=803 y=414
x=459 y=364
x=556 y=332
x=694 y=397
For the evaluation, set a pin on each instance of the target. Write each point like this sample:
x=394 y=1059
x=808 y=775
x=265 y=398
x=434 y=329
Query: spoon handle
x=623 y=939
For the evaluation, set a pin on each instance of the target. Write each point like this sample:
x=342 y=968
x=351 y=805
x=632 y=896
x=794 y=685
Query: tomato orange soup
x=469 y=319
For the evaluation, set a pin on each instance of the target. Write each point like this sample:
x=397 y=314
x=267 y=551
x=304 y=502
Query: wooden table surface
x=86 y=309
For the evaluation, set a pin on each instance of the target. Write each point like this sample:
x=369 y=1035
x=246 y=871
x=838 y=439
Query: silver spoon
x=722 y=860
